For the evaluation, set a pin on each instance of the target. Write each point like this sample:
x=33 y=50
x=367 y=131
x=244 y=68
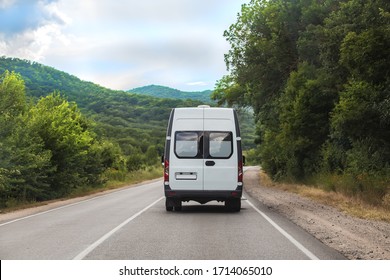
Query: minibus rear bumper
x=203 y=196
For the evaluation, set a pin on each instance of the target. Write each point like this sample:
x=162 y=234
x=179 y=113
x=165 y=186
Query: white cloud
x=167 y=11
x=125 y=43
x=32 y=38
x=6 y=3
x=200 y=83
x=52 y=14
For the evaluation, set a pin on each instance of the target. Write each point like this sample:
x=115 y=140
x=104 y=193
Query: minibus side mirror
x=162 y=160
x=243 y=160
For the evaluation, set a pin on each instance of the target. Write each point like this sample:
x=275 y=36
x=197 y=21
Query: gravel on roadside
x=355 y=238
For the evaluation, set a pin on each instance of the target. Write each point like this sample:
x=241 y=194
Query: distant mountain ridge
x=167 y=92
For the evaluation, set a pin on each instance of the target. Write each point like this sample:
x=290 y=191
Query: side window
x=187 y=144
x=221 y=144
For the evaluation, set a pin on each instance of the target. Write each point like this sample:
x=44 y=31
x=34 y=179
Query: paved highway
x=132 y=224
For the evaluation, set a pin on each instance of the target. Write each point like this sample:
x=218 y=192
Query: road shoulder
x=355 y=238
x=49 y=205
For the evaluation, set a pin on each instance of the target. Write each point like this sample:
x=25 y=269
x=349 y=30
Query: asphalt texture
x=132 y=223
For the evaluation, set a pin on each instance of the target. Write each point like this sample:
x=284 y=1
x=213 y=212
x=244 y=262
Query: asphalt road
x=132 y=224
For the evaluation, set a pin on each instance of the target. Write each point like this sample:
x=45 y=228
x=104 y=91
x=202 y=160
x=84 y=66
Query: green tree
x=304 y=110
x=65 y=132
x=28 y=163
x=24 y=163
x=228 y=92
x=317 y=76
x=360 y=120
x=12 y=100
x=151 y=155
x=263 y=49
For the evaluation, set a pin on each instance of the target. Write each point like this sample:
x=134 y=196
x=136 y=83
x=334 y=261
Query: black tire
x=233 y=204
x=238 y=205
x=177 y=205
x=169 y=204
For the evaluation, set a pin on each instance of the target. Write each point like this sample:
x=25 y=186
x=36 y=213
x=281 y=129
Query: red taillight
x=170 y=193
x=166 y=171
x=240 y=172
x=235 y=194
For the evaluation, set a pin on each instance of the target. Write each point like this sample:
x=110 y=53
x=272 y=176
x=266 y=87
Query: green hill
x=134 y=121
x=167 y=92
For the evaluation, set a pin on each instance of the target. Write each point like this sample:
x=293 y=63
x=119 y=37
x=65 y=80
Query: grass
x=351 y=205
x=148 y=173
x=117 y=179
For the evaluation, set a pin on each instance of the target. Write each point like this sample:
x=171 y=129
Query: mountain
x=134 y=121
x=167 y=92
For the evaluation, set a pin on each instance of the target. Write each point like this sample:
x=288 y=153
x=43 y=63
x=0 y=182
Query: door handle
x=210 y=163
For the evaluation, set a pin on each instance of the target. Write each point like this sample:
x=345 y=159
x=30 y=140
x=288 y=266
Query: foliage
x=66 y=134
x=24 y=163
x=317 y=76
x=228 y=92
x=46 y=149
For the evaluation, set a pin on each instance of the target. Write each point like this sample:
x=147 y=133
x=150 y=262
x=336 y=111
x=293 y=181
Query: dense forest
x=317 y=76
x=59 y=133
x=167 y=92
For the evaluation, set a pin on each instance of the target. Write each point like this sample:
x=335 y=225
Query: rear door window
x=220 y=144
x=188 y=144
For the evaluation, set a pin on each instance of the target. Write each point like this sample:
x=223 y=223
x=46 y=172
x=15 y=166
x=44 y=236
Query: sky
x=123 y=44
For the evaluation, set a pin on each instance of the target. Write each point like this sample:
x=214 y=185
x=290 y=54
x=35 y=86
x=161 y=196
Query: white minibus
x=203 y=158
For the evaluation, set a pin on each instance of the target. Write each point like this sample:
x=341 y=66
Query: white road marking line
x=48 y=211
x=65 y=206
x=302 y=248
x=93 y=246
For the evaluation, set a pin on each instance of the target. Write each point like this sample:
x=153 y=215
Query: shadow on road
x=207 y=209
